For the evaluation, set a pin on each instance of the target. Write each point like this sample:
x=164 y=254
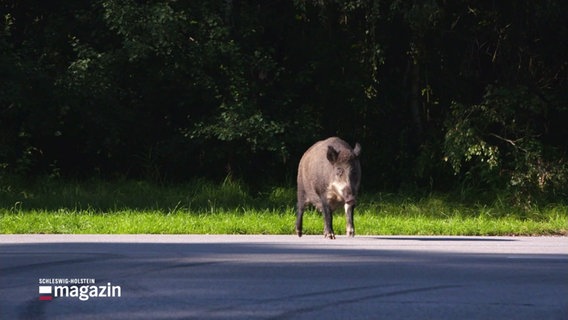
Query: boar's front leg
x=349 y=228
x=328 y=223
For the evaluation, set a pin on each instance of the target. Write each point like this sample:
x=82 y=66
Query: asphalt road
x=282 y=277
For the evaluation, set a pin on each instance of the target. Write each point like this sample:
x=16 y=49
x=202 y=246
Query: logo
x=45 y=293
x=82 y=289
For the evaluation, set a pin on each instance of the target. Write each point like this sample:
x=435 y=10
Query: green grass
x=201 y=207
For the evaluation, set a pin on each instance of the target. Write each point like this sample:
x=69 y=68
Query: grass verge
x=228 y=208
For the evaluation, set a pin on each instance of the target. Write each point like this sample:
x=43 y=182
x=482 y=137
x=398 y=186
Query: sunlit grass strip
x=201 y=207
x=246 y=221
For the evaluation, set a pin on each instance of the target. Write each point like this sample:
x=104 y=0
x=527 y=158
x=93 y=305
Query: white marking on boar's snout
x=341 y=191
x=338 y=187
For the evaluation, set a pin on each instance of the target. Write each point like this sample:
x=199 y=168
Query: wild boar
x=329 y=175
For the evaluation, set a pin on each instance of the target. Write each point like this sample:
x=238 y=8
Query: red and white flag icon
x=45 y=293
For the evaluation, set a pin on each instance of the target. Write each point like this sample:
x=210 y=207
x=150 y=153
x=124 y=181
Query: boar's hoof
x=299 y=233
x=330 y=235
x=351 y=233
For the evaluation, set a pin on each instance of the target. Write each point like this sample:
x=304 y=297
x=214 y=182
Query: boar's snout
x=349 y=198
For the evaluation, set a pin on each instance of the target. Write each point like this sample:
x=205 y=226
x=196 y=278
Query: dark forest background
x=442 y=95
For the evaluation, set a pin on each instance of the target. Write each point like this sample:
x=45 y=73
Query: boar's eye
x=339 y=172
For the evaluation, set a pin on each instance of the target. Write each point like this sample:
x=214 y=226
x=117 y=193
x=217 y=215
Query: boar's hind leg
x=300 y=209
x=299 y=218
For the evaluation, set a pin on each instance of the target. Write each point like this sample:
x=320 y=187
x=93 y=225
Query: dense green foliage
x=440 y=94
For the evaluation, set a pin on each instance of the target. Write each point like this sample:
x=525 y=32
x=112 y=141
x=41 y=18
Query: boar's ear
x=357 y=149
x=332 y=154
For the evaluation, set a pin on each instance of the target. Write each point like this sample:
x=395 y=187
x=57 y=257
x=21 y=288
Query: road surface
x=282 y=277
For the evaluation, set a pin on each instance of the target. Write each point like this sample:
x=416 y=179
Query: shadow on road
x=453 y=239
